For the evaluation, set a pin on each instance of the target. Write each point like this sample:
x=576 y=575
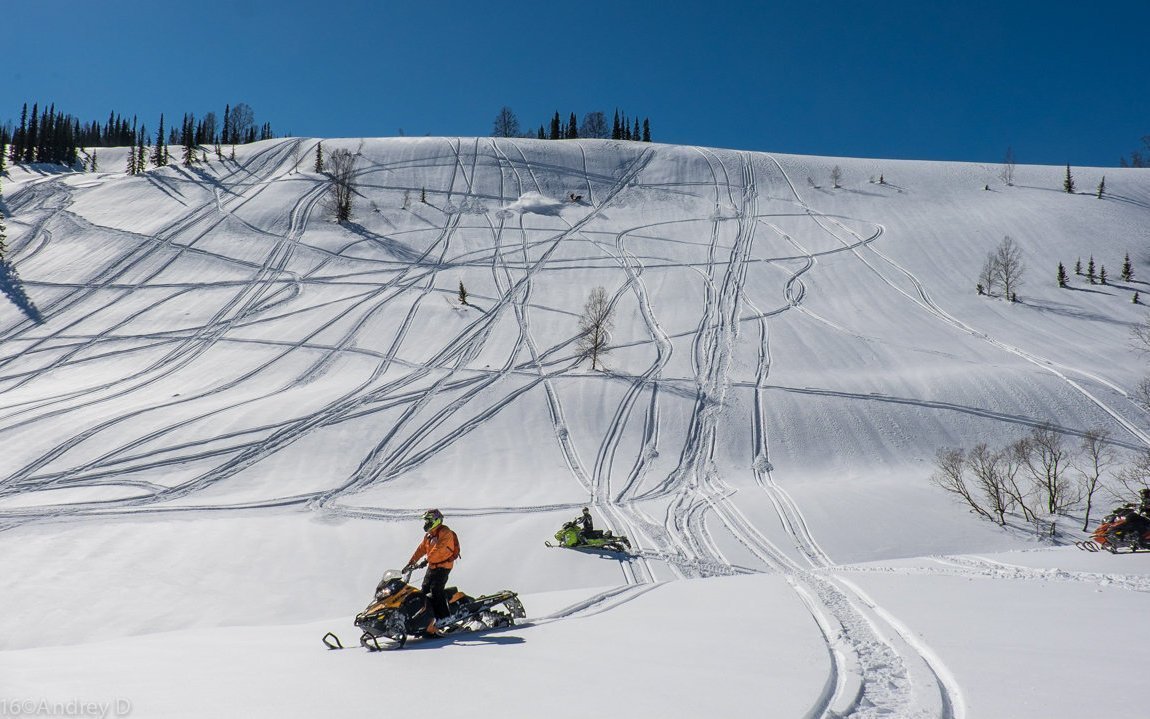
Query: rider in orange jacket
x=440 y=546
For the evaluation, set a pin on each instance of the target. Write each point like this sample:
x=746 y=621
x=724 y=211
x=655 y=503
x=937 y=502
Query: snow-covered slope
x=235 y=410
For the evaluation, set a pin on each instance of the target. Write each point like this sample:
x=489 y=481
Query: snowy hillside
x=235 y=410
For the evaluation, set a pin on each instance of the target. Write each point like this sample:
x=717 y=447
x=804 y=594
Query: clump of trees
x=1003 y=271
x=594 y=125
x=1140 y=157
x=48 y=135
x=1040 y=476
x=1095 y=274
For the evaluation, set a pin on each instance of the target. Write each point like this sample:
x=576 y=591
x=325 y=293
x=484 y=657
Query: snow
x=235 y=411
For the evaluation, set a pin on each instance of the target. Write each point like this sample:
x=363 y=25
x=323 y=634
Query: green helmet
x=432 y=518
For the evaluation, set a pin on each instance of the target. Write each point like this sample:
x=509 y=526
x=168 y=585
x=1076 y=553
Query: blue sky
x=1059 y=82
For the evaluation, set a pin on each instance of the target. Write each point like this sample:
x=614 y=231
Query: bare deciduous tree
x=1136 y=475
x=1010 y=268
x=1097 y=457
x=594 y=125
x=836 y=176
x=1047 y=461
x=506 y=124
x=341 y=171
x=951 y=476
x=1007 y=173
x=595 y=326
x=990 y=470
x=240 y=122
x=988 y=278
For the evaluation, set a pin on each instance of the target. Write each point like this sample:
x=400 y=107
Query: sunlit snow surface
x=235 y=410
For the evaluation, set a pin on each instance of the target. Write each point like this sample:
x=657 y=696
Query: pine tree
x=423 y=195
x=462 y=293
x=1136 y=299
x=646 y=130
x=1127 y=269
x=555 y=126
x=30 y=138
x=1078 y=267
x=1090 y=271
x=160 y=153
x=1068 y=183
x=1102 y=275
x=142 y=151
x=95 y=164
x=637 y=133
x=319 y=157
x=616 y=129
x=1062 y=278
x=572 y=128
x=542 y=136
x=225 y=136
x=189 y=140
x=1102 y=187
x=21 y=137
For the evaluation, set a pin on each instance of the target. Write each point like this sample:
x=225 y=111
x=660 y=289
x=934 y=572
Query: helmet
x=1145 y=492
x=432 y=518
x=586 y=511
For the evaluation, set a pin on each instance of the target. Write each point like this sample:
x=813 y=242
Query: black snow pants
x=434 y=582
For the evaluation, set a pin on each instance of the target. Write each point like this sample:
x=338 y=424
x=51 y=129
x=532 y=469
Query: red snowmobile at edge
x=399 y=610
x=1122 y=528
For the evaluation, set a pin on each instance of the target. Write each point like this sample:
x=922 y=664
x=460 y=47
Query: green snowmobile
x=572 y=536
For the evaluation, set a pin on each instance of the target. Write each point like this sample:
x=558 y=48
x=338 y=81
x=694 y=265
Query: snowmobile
x=1123 y=527
x=572 y=536
x=399 y=610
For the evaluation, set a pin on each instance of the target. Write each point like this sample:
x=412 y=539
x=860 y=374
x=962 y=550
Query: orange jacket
x=440 y=546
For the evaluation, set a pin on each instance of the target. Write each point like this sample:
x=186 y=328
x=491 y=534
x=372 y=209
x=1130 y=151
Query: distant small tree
x=646 y=130
x=1078 y=266
x=95 y=162
x=1136 y=299
x=595 y=326
x=1127 y=269
x=1007 y=173
x=1062 y=278
x=1090 y=275
x=506 y=124
x=342 y=177
x=319 y=157
x=462 y=293
x=836 y=176
x=423 y=195
x=1102 y=187
x=1102 y=275
x=1068 y=183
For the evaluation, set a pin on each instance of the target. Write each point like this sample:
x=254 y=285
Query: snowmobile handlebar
x=409 y=569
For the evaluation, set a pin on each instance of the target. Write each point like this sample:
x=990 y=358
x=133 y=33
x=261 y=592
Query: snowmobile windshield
x=391 y=583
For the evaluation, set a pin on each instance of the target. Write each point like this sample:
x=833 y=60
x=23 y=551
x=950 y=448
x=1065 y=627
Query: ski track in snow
x=681 y=519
